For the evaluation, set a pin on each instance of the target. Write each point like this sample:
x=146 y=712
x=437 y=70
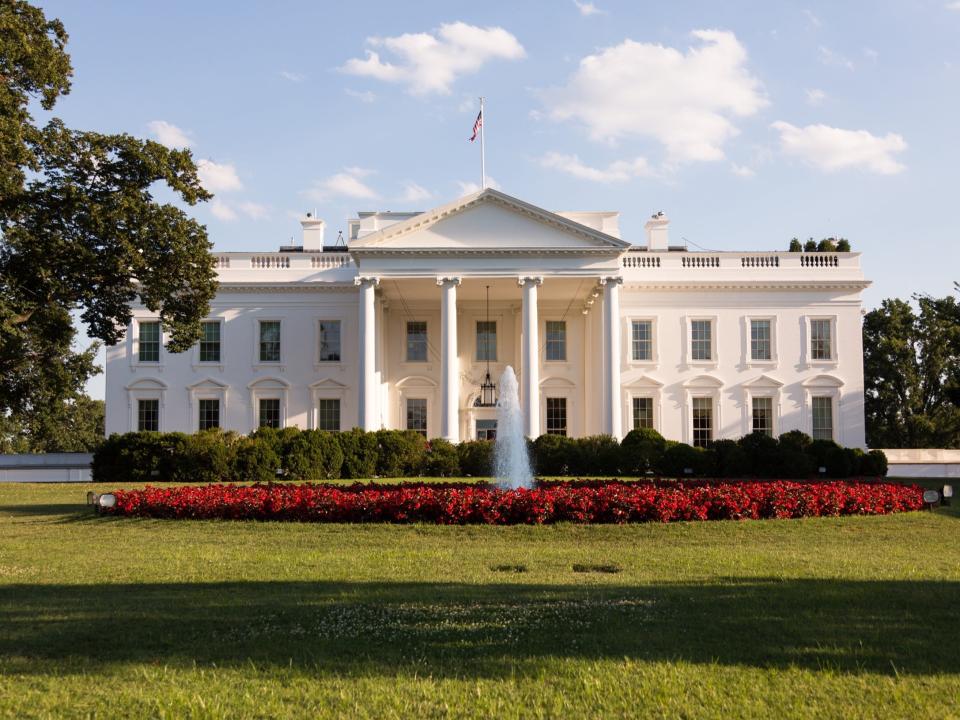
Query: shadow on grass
x=59 y=512
x=493 y=630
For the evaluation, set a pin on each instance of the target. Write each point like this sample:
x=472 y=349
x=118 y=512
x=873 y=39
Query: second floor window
x=148 y=342
x=760 y=346
x=210 y=342
x=642 y=340
x=487 y=340
x=416 y=341
x=821 y=347
x=701 y=339
x=269 y=341
x=329 y=341
x=556 y=346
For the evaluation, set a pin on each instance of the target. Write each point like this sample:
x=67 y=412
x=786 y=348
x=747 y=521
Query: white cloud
x=830 y=149
x=468 y=188
x=254 y=211
x=871 y=54
x=363 y=96
x=343 y=184
x=292 y=76
x=413 y=193
x=217 y=177
x=682 y=100
x=953 y=5
x=742 y=170
x=619 y=171
x=222 y=211
x=430 y=63
x=588 y=8
x=815 y=96
x=832 y=59
x=169 y=134
x=811 y=18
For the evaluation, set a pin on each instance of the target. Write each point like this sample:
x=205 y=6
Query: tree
x=810 y=245
x=911 y=365
x=72 y=426
x=80 y=230
x=795 y=245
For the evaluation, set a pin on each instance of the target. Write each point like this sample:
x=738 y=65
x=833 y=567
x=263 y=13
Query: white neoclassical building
x=393 y=329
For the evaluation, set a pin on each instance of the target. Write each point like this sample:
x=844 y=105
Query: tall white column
x=613 y=423
x=449 y=363
x=367 y=385
x=531 y=357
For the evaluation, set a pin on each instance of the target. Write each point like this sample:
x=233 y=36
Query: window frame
x=712 y=399
x=753 y=414
x=259 y=410
x=319 y=361
x=628 y=357
x=406 y=341
x=208 y=398
x=566 y=415
x=319 y=415
x=426 y=414
x=476 y=340
x=714 y=345
x=808 y=341
x=832 y=404
x=257 y=342
x=139 y=414
x=546 y=341
x=197 y=362
x=135 y=343
x=748 y=359
x=633 y=412
x=486 y=431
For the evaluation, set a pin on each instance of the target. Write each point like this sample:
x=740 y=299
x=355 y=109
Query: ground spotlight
x=946 y=494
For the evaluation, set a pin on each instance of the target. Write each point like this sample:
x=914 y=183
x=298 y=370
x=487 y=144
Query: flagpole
x=483 y=161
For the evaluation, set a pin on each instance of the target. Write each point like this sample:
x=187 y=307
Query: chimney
x=656 y=228
x=312 y=232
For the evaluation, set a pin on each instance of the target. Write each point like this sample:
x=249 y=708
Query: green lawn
x=850 y=617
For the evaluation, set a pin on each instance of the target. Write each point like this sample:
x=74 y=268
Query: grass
x=846 y=618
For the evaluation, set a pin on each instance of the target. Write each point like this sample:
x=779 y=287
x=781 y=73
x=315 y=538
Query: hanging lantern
x=488 y=391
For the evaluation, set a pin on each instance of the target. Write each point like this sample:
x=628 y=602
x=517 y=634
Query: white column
x=449 y=363
x=613 y=422
x=531 y=357
x=367 y=381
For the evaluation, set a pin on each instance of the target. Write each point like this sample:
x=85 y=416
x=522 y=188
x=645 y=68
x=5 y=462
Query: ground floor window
x=822 y=418
x=763 y=415
x=209 y=412
x=642 y=412
x=702 y=421
x=328 y=414
x=148 y=415
x=417 y=415
x=269 y=412
x=486 y=429
x=556 y=416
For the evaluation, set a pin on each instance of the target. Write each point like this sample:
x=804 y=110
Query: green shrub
x=313 y=455
x=442 y=459
x=843 y=245
x=359 y=453
x=400 y=453
x=762 y=454
x=880 y=464
x=794 y=464
x=826 y=245
x=595 y=455
x=795 y=440
x=255 y=460
x=554 y=455
x=476 y=458
x=727 y=459
x=795 y=245
x=680 y=457
x=810 y=245
x=641 y=451
x=208 y=457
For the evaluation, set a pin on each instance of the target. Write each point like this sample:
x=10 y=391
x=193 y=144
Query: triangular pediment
x=763 y=381
x=488 y=221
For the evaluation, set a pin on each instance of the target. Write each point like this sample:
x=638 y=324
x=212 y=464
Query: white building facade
x=394 y=330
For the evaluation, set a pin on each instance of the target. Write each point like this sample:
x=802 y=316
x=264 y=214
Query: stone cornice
x=367 y=252
x=285 y=287
x=721 y=285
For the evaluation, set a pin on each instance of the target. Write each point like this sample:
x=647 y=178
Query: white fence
x=50 y=468
x=924 y=463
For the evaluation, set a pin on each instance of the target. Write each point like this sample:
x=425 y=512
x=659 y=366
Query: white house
x=394 y=330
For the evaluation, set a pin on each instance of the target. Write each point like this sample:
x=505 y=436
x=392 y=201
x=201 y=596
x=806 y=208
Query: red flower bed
x=579 y=502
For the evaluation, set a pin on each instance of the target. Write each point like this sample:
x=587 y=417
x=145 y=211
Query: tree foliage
x=80 y=230
x=911 y=365
x=75 y=425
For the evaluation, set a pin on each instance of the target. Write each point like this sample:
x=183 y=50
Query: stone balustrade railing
x=703 y=262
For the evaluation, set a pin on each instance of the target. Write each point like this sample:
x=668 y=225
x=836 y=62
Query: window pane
x=763 y=415
x=820 y=341
x=209 y=411
x=702 y=421
x=642 y=412
x=270 y=341
x=760 y=348
x=149 y=342
x=556 y=345
x=701 y=332
x=486 y=429
x=210 y=342
x=148 y=415
x=487 y=340
x=822 y=418
x=328 y=414
x=416 y=341
x=556 y=416
x=329 y=341
x=642 y=340
x=417 y=415
x=270 y=412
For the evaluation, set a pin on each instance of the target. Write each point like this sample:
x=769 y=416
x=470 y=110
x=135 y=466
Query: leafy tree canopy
x=80 y=230
x=71 y=426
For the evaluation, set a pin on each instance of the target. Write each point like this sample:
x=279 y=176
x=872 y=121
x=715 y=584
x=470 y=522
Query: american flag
x=476 y=126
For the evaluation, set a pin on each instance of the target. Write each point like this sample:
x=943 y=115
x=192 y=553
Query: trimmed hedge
x=292 y=454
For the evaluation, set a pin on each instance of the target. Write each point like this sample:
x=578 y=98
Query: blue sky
x=748 y=123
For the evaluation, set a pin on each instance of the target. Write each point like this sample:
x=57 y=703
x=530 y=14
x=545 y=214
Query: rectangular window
x=487 y=340
x=822 y=418
x=820 y=341
x=556 y=346
x=486 y=429
x=556 y=416
x=642 y=340
x=416 y=341
x=760 y=345
x=270 y=412
x=148 y=345
x=763 y=415
x=269 y=341
x=328 y=414
x=702 y=421
x=642 y=412
x=417 y=415
x=148 y=415
x=210 y=342
x=209 y=411
x=329 y=341
x=701 y=339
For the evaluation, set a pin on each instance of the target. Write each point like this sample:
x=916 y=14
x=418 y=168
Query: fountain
x=511 y=460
